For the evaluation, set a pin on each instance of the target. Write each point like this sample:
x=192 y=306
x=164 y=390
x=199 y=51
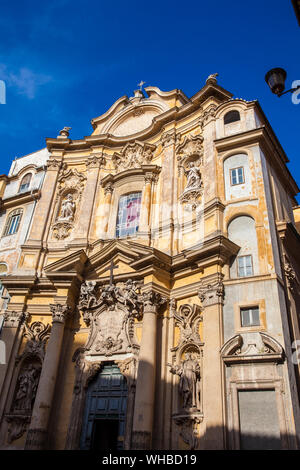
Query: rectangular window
x=237 y=176
x=245 y=266
x=250 y=316
x=128 y=214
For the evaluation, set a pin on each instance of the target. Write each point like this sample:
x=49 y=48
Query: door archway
x=103 y=426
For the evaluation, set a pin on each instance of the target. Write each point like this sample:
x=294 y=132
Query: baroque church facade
x=152 y=273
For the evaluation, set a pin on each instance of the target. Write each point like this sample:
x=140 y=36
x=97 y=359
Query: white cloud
x=25 y=81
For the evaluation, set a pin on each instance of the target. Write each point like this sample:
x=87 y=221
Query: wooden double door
x=103 y=426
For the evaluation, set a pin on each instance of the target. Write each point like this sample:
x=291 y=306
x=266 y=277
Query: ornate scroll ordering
x=189 y=384
x=26 y=387
x=110 y=312
x=190 y=151
x=70 y=187
x=133 y=155
x=188 y=425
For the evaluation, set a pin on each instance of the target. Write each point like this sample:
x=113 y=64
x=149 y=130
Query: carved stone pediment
x=258 y=347
x=110 y=313
x=212 y=293
x=133 y=155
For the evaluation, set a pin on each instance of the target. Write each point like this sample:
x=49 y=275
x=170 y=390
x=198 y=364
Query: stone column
x=87 y=202
x=38 y=429
x=167 y=194
x=212 y=295
x=146 y=205
x=108 y=190
x=42 y=211
x=145 y=385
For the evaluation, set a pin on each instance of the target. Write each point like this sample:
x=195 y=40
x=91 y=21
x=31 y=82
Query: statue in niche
x=193 y=177
x=67 y=209
x=189 y=385
x=26 y=389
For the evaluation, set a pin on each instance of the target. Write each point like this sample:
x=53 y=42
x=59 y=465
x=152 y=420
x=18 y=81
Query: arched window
x=13 y=222
x=128 y=214
x=241 y=231
x=25 y=183
x=232 y=116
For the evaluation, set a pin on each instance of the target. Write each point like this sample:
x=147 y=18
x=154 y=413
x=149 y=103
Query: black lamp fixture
x=275 y=78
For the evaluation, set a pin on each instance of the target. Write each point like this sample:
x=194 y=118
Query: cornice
x=20 y=199
x=158 y=123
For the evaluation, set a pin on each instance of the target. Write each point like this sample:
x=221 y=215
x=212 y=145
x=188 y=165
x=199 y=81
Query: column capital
x=152 y=300
x=169 y=138
x=60 y=313
x=54 y=164
x=95 y=161
x=13 y=319
x=212 y=293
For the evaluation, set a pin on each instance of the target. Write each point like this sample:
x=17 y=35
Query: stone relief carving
x=190 y=151
x=189 y=384
x=133 y=155
x=169 y=138
x=26 y=387
x=188 y=319
x=68 y=207
x=13 y=319
x=258 y=347
x=194 y=187
x=110 y=313
x=22 y=405
x=188 y=425
x=70 y=187
x=95 y=161
x=37 y=335
x=186 y=364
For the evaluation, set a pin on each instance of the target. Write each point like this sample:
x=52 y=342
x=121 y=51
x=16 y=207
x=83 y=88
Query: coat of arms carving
x=110 y=312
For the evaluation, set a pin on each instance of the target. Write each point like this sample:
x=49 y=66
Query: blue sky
x=66 y=62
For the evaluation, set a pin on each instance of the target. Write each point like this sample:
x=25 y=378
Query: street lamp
x=275 y=78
